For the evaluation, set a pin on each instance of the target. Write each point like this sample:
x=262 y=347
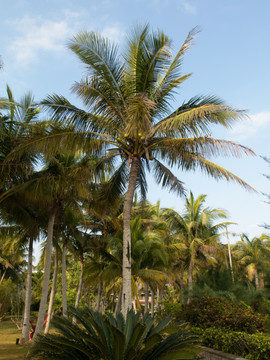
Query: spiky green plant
x=104 y=337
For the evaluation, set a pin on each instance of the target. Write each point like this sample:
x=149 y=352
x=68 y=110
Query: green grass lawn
x=8 y=348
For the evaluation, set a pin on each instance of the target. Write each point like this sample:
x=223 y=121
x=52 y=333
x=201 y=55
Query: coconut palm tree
x=18 y=120
x=254 y=254
x=196 y=232
x=129 y=115
x=62 y=183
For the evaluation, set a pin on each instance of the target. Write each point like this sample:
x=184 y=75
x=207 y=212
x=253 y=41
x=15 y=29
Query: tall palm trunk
x=182 y=282
x=152 y=303
x=190 y=280
x=100 y=287
x=64 y=279
x=146 y=298
x=127 y=296
x=119 y=301
x=27 y=302
x=52 y=294
x=46 y=279
x=257 y=284
x=157 y=304
x=79 y=291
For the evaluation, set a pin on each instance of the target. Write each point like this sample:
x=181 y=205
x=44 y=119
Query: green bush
x=249 y=346
x=218 y=312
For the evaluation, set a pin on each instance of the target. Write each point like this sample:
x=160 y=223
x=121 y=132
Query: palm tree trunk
x=79 y=291
x=4 y=273
x=100 y=286
x=127 y=296
x=190 y=280
x=182 y=282
x=146 y=298
x=27 y=303
x=134 y=305
x=161 y=300
x=152 y=303
x=230 y=255
x=52 y=294
x=46 y=279
x=64 y=279
x=257 y=285
x=119 y=301
x=157 y=299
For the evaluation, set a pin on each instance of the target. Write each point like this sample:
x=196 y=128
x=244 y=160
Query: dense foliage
x=221 y=313
x=248 y=346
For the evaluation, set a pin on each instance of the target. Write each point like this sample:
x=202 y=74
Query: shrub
x=249 y=346
x=221 y=313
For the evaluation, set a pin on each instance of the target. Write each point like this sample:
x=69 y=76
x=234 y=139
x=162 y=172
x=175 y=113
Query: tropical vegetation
x=77 y=184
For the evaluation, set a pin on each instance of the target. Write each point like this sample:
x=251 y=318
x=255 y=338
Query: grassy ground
x=8 y=348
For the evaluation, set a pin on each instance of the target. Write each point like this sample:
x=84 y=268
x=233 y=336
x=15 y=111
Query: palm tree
x=129 y=115
x=18 y=120
x=108 y=338
x=63 y=181
x=254 y=254
x=196 y=232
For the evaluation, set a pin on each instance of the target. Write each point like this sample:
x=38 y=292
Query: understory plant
x=96 y=336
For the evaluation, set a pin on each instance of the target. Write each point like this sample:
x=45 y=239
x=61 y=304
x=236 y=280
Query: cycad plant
x=129 y=115
x=105 y=337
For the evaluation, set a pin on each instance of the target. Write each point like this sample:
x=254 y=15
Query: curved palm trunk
x=64 y=280
x=4 y=273
x=52 y=294
x=146 y=298
x=46 y=279
x=100 y=287
x=27 y=302
x=127 y=296
x=79 y=291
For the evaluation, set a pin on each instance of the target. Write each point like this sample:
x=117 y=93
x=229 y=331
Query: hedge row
x=249 y=346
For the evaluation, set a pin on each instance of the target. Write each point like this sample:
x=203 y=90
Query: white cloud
x=114 y=33
x=37 y=36
x=250 y=126
x=188 y=6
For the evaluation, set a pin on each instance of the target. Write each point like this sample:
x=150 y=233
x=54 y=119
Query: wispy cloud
x=38 y=35
x=114 y=33
x=251 y=126
x=188 y=6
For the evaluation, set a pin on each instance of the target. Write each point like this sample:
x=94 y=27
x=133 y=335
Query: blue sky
x=230 y=58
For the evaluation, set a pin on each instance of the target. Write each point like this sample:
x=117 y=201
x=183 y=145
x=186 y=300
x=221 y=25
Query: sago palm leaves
x=100 y=337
